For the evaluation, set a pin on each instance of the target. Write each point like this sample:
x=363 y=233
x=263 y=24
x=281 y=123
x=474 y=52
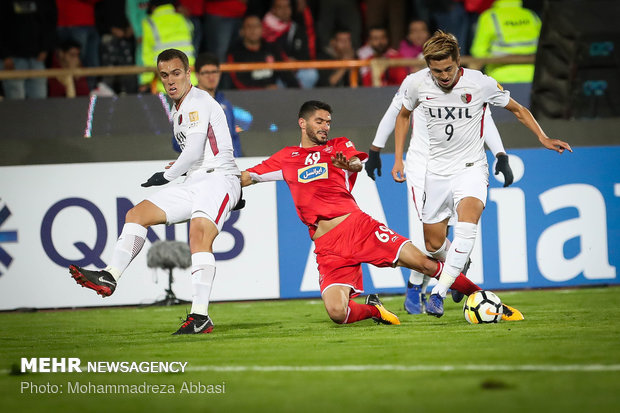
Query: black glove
x=502 y=166
x=156 y=180
x=240 y=204
x=373 y=162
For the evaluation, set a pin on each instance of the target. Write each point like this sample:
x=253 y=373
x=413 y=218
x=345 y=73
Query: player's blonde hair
x=441 y=46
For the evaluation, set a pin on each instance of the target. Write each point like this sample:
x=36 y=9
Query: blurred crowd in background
x=39 y=34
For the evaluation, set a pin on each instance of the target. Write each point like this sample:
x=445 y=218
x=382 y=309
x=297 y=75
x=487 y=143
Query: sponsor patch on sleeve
x=349 y=144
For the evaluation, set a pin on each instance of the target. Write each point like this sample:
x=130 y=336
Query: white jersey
x=200 y=114
x=454 y=119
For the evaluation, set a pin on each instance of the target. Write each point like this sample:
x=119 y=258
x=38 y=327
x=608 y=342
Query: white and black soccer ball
x=483 y=307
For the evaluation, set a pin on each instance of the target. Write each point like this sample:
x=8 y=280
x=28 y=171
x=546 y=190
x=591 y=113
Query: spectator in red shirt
x=378 y=46
x=76 y=20
x=222 y=22
x=193 y=10
x=67 y=57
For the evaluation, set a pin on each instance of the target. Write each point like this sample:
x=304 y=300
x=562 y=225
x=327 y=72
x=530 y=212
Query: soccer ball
x=483 y=307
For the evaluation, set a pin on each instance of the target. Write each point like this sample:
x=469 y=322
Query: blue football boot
x=413 y=299
x=434 y=305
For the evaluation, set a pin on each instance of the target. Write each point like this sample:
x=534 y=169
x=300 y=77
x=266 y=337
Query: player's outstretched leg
x=100 y=281
x=195 y=324
x=385 y=316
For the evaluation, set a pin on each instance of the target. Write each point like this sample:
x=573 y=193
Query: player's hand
x=156 y=180
x=502 y=165
x=373 y=162
x=556 y=145
x=340 y=161
x=398 y=171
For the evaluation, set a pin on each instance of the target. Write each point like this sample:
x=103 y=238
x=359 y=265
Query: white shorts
x=202 y=195
x=443 y=193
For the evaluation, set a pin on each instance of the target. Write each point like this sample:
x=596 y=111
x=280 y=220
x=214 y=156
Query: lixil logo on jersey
x=5 y=236
x=312 y=173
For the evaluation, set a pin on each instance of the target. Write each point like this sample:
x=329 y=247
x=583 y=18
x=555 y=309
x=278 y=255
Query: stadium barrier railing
x=377 y=67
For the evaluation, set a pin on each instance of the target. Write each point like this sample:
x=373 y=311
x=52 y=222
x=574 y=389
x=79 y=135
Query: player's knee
x=433 y=245
x=336 y=312
x=201 y=235
x=133 y=216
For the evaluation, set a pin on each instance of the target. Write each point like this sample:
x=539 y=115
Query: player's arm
x=193 y=151
x=526 y=118
x=400 y=136
x=495 y=144
x=267 y=171
x=385 y=128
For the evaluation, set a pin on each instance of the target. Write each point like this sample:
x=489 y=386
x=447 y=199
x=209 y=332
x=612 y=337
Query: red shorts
x=356 y=240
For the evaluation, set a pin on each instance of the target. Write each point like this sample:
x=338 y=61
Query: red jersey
x=319 y=189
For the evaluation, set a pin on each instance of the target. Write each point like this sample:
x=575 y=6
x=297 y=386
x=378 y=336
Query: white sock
x=203 y=273
x=128 y=245
x=416 y=278
x=458 y=254
x=427 y=279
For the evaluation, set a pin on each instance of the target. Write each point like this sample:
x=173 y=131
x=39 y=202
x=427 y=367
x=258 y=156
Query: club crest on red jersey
x=466 y=97
x=312 y=173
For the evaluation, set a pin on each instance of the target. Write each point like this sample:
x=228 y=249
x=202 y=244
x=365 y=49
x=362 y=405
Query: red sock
x=358 y=312
x=462 y=284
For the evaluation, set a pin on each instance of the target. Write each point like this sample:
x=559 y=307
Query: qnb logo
x=5 y=236
x=91 y=253
x=312 y=173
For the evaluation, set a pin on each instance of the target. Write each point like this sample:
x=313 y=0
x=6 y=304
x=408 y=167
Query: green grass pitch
x=288 y=356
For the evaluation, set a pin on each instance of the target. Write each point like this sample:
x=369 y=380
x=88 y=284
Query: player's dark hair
x=206 y=59
x=169 y=54
x=311 y=106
